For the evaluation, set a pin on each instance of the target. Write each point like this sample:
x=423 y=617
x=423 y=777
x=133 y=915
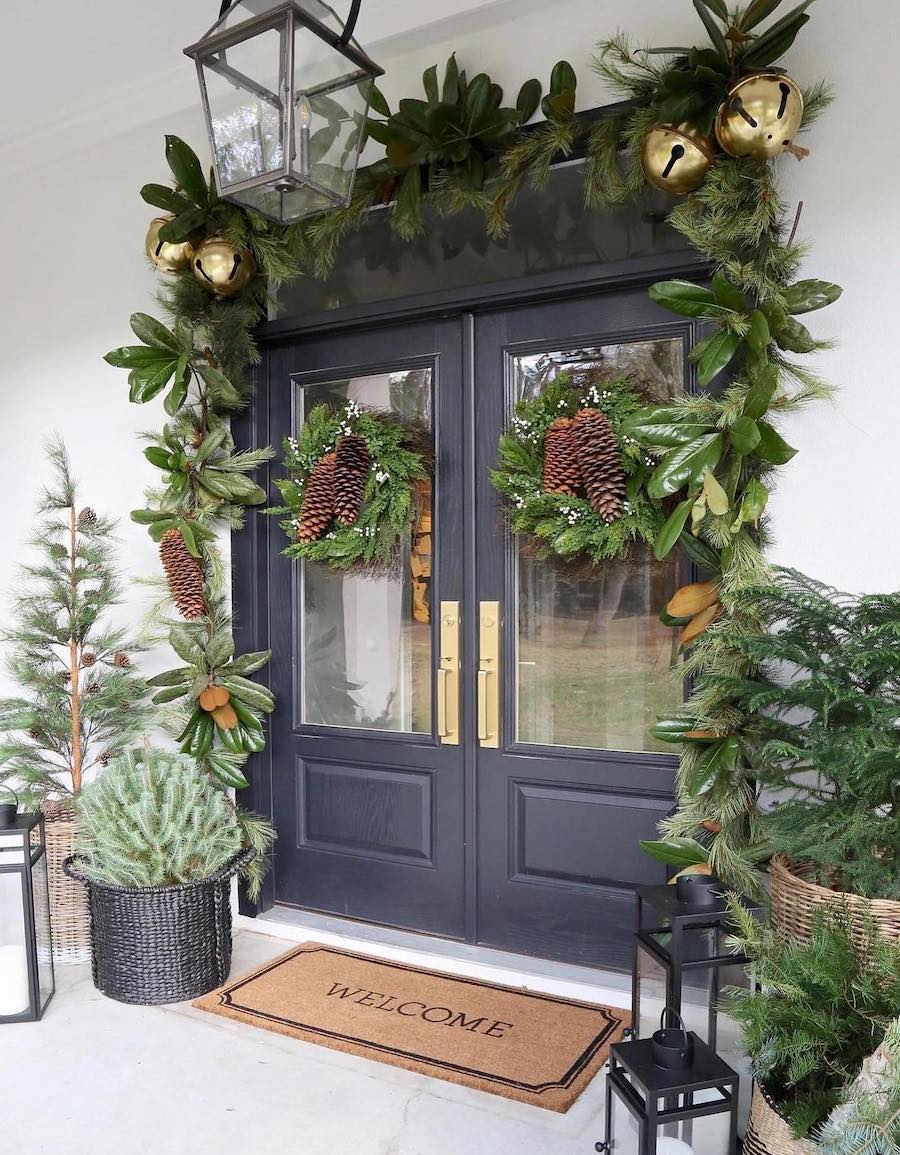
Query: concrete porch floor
x=96 y=1077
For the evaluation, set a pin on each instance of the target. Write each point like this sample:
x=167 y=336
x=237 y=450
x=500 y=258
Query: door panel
x=585 y=663
x=369 y=804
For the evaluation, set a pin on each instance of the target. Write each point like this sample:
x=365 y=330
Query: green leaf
x=760 y=394
x=177 y=395
x=715 y=32
x=758 y=335
x=716 y=498
x=728 y=295
x=807 y=296
x=718 y=352
x=153 y=333
x=149 y=516
x=170 y=694
x=700 y=553
x=744 y=435
x=562 y=78
x=187 y=170
x=772 y=45
x=754 y=501
x=136 y=357
x=233 y=487
x=184 y=334
x=221 y=389
x=758 y=11
x=678 y=852
x=146 y=383
x=165 y=198
x=180 y=676
x=665 y=425
x=158 y=456
x=791 y=335
x=673 y=727
x=187 y=532
x=226 y=772
x=721 y=758
x=248 y=663
x=450 y=91
x=772 y=447
x=717 y=6
x=528 y=100
x=378 y=102
x=685 y=465
x=430 y=84
x=181 y=639
x=477 y=96
x=220 y=648
x=686 y=298
x=183 y=225
x=671 y=531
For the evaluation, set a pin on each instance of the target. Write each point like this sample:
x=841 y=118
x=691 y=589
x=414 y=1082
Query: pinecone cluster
x=87 y=518
x=184 y=574
x=335 y=488
x=581 y=454
x=121 y=659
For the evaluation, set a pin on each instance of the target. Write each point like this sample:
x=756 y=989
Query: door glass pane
x=594 y=664
x=40 y=890
x=366 y=639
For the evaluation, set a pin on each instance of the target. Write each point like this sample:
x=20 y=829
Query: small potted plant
x=158 y=842
x=825 y=747
x=817 y=1011
x=78 y=699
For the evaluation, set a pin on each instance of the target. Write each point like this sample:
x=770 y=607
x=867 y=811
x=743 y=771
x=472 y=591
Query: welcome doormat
x=520 y=1044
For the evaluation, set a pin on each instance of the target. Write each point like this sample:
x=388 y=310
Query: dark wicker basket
x=161 y=944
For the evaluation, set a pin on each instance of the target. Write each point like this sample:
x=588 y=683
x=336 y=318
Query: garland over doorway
x=712 y=122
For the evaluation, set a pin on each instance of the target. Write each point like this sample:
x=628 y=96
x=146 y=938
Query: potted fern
x=823 y=739
x=819 y=1010
x=158 y=842
x=78 y=699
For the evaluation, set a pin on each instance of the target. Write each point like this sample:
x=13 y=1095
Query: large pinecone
x=601 y=462
x=351 y=471
x=562 y=473
x=184 y=574
x=318 y=501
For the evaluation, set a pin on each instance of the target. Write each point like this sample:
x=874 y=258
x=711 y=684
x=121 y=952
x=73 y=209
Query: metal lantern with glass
x=682 y=958
x=679 y=1096
x=286 y=91
x=26 y=957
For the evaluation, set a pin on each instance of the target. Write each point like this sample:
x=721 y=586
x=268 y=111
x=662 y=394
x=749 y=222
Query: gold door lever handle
x=447 y=676
x=489 y=675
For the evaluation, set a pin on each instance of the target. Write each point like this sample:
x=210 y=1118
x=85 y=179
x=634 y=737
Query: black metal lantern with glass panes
x=286 y=91
x=26 y=954
x=682 y=960
x=669 y=1095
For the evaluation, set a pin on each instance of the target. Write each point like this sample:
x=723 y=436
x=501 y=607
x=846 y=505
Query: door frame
x=251 y=429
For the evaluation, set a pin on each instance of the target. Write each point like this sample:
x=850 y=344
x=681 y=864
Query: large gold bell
x=676 y=157
x=165 y=255
x=760 y=116
x=221 y=268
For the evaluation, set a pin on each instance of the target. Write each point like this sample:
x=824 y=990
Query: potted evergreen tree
x=820 y=1008
x=158 y=842
x=79 y=700
x=825 y=747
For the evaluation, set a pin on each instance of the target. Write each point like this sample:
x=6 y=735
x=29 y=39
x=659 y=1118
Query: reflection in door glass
x=594 y=664
x=366 y=640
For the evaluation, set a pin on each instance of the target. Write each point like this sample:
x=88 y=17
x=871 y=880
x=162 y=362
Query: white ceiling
x=82 y=69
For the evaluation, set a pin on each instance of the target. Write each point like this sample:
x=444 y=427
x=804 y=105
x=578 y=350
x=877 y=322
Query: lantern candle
x=14 y=990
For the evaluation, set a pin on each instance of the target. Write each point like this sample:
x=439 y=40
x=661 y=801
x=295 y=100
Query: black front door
x=509 y=812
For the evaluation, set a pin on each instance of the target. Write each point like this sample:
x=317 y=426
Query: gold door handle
x=447 y=676
x=489 y=675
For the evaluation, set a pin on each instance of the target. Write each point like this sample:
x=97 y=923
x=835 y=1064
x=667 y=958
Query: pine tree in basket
x=78 y=699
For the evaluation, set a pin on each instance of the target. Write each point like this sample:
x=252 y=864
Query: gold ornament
x=165 y=255
x=221 y=268
x=760 y=116
x=676 y=157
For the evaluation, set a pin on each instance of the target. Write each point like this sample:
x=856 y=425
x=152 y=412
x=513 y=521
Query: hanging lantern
x=760 y=116
x=676 y=157
x=221 y=268
x=285 y=91
x=26 y=957
x=166 y=256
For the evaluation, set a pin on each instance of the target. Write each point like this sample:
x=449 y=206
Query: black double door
x=461 y=747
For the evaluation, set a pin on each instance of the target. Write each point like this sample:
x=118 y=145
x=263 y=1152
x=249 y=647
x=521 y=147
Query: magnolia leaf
x=772 y=447
x=728 y=295
x=744 y=435
x=760 y=394
x=758 y=11
x=807 y=296
x=717 y=354
x=179 y=229
x=691 y=599
x=665 y=425
x=686 y=298
x=754 y=501
x=716 y=498
x=430 y=84
x=221 y=389
x=153 y=333
x=671 y=531
x=676 y=851
x=700 y=624
x=715 y=32
x=158 y=456
x=187 y=170
x=165 y=198
x=528 y=100
x=673 y=727
x=700 y=553
x=685 y=465
x=698 y=512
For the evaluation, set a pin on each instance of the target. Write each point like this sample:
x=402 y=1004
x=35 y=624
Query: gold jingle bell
x=167 y=256
x=676 y=157
x=221 y=268
x=760 y=116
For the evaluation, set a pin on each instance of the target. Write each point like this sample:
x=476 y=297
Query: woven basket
x=161 y=944
x=768 y=1133
x=795 y=900
x=70 y=919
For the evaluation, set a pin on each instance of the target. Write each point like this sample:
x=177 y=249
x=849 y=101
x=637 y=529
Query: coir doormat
x=520 y=1044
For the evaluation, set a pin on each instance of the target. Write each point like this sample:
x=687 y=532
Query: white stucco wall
x=73 y=269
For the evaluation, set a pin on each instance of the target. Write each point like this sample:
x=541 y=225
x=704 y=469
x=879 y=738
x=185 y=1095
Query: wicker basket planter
x=768 y=1133
x=70 y=919
x=795 y=900
x=161 y=944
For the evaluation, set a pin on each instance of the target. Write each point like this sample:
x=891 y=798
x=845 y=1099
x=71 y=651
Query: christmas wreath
x=571 y=479
x=354 y=485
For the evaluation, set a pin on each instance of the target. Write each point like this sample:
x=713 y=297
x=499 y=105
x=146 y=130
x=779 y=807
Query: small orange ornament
x=213 y=697
x=225 y=717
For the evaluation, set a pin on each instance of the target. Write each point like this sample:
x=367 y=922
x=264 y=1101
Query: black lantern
x=680 y=1096
x=681 y=949
x=286 y=91
x=26 y=955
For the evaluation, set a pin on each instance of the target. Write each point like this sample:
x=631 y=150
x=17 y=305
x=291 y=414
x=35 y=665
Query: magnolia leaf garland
x=351 y=492
x=571 y=479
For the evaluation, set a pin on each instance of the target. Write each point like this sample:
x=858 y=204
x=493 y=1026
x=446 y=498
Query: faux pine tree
x=78 y=699
x=867 y=1122
x=823 y=740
